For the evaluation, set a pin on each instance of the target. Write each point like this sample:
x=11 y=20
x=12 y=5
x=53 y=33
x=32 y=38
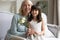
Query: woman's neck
x=24 y=14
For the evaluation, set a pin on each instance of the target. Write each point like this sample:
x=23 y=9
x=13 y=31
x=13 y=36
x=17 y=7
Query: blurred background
x=50 y=7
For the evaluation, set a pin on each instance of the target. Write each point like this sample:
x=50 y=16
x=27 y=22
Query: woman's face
x=26 y=7
x=35 y=13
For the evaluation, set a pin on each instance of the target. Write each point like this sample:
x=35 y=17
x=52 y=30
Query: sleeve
x=14 y=28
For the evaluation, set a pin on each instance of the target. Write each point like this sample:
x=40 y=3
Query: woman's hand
x=30 y=32
x=40 y=33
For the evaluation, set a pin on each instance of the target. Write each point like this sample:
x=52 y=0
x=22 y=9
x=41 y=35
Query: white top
x=36 y=26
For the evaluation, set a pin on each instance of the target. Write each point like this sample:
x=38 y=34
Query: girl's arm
x=42 y=29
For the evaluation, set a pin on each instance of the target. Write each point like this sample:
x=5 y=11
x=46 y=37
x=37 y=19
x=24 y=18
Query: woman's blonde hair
x=21 y=10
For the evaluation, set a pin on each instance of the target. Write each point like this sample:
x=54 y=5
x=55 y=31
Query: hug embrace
x=29 y=24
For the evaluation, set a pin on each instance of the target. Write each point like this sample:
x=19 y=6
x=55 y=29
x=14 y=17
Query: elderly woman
x=17 y=30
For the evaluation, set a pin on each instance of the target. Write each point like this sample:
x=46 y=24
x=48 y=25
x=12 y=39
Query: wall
x=8 y=6
x=18 y=5
x=5 y=6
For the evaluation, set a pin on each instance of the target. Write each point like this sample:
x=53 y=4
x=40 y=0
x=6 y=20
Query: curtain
x=53 y=12
x=59 y=12
x=55 y=19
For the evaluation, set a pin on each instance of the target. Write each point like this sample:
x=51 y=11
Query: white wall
x=18 y=5
x=8 y=6
x=4 y=6
x=34 y=1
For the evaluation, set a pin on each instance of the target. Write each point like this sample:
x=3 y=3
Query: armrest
x=54 y=29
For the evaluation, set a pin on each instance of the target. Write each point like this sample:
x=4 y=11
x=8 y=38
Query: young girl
x=36 y=23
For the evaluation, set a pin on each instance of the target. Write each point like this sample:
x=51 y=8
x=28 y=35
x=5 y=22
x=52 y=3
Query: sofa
x=5 y=23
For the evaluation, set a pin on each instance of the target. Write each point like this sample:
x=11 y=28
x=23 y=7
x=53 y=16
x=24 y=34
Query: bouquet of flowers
x=23 y=21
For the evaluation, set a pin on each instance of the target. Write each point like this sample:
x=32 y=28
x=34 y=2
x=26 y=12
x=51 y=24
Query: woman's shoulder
x=43 y=14
x=17 y=15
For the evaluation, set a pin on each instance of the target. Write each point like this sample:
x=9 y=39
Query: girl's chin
x=34 y=15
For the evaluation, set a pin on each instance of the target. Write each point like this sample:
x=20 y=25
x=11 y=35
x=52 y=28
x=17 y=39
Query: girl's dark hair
x=30 y=16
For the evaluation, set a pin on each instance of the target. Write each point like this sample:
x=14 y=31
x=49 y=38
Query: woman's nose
x=27 y=6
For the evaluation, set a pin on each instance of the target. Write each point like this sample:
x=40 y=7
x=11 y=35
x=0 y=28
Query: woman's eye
x=28 y=4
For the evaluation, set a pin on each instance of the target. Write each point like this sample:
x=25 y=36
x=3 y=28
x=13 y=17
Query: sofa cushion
x=54 y=29
x=5 y=22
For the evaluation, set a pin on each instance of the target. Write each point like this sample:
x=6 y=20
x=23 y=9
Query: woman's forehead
x=27 y=2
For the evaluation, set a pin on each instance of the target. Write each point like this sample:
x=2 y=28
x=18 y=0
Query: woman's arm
x=30 y=30
x=14 y=25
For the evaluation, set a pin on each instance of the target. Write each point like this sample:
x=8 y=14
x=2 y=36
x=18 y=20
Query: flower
x=23 y=21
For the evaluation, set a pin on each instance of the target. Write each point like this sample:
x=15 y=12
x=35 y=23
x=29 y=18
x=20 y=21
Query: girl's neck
x=34 y=19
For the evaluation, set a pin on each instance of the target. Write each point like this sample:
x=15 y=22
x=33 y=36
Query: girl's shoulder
x=34 y=22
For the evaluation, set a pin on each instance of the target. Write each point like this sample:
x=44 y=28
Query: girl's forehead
x=35 y=10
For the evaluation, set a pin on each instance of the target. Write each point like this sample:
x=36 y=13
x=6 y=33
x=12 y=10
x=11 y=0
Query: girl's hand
x=29 y=32
x=32 y=32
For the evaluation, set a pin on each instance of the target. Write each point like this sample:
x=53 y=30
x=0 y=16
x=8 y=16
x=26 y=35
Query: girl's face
x=35 y=12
